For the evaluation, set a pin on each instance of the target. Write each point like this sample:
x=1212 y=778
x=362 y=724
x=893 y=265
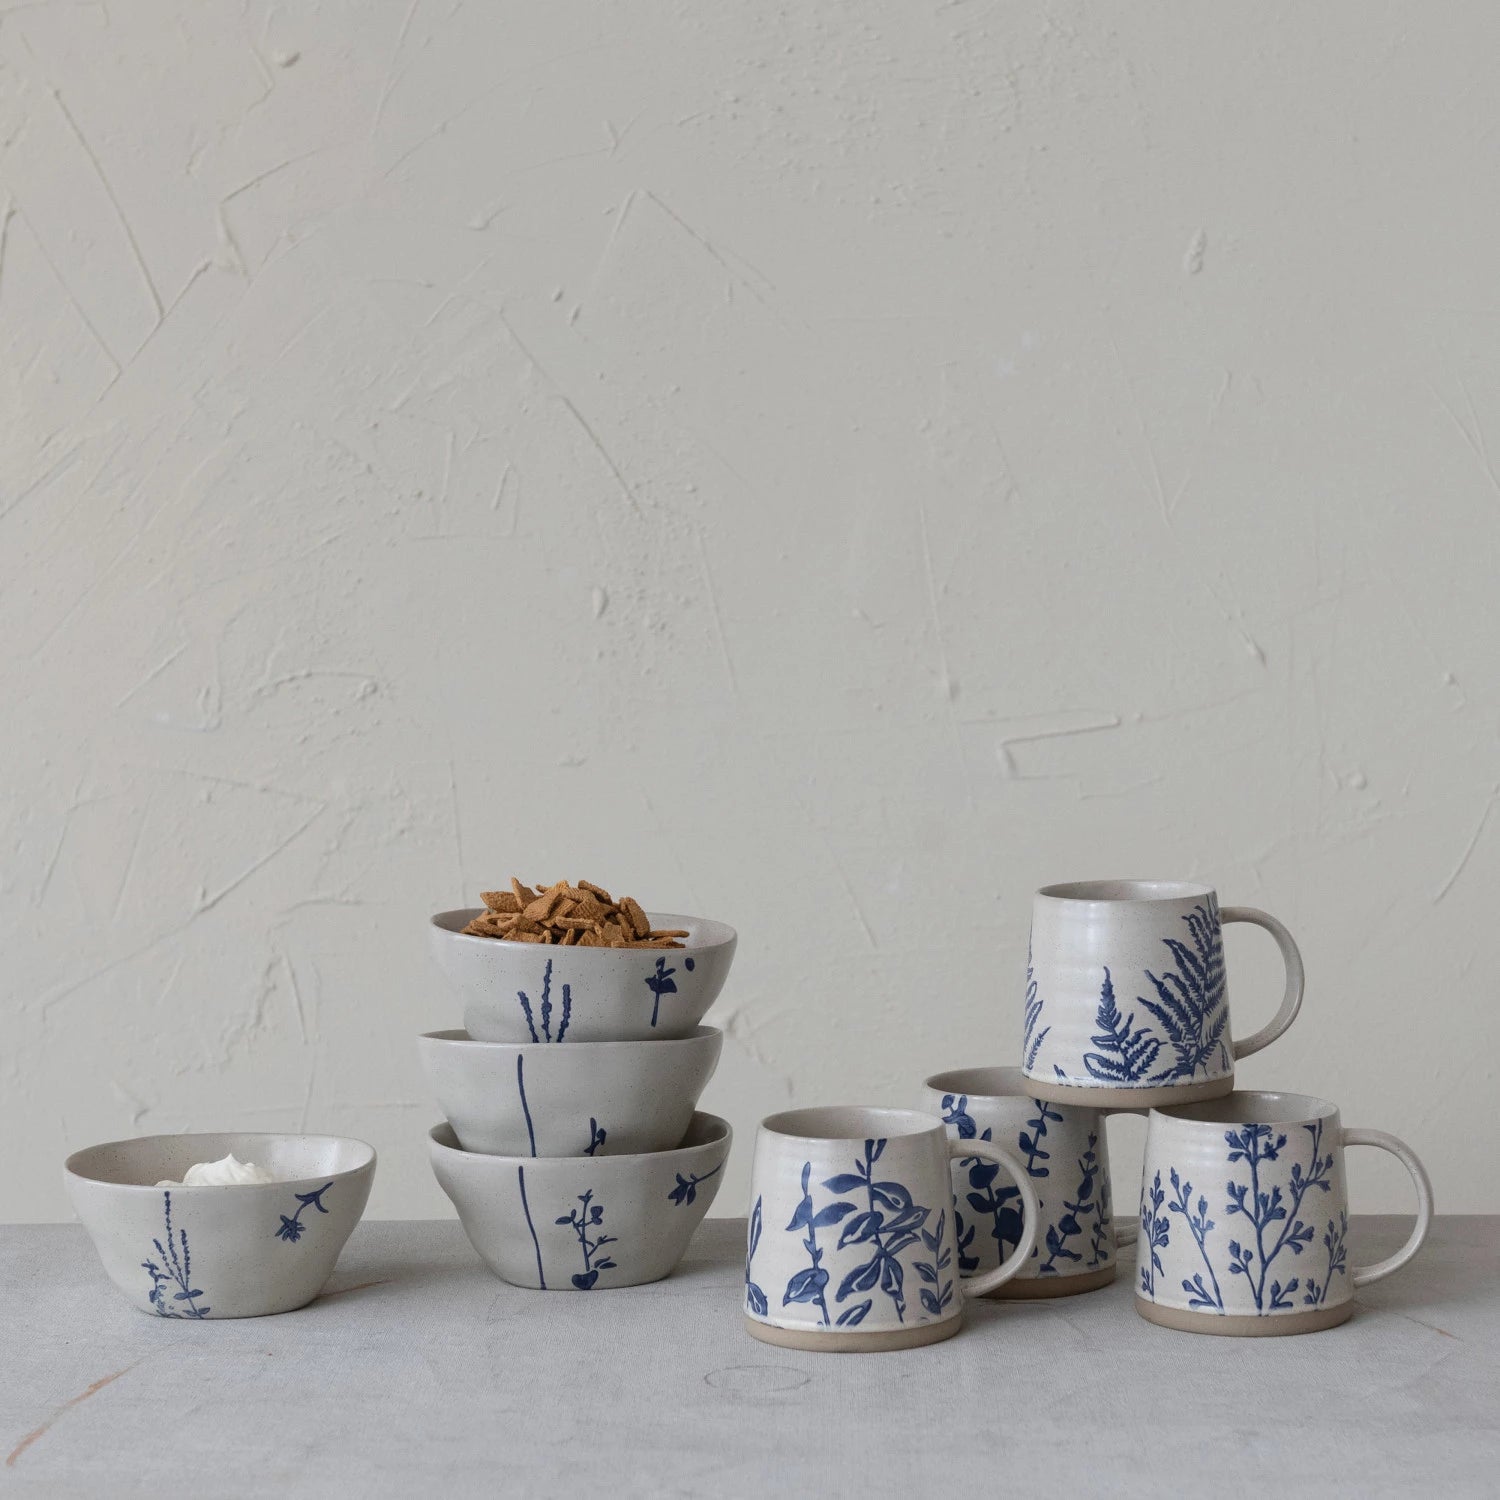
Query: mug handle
x=977 y=1286
x=1291 y=1001
x=1364 y=1275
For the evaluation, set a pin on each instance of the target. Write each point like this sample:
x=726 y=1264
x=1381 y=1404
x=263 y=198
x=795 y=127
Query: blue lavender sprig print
x=1156 y=1235
x=1079 y=1206
x=1253 y=1144
x=1030 y=1140
x=811 y=1282
x=1031 y=1041
x=292 y=1228
x=1199 y=1224
x=545 y=1034
x=938 y=1293
x=589 y=1215
x=1333 y=1242
x=686 y=1190
x=660 y=983
x=176 y=1269
x=889 y=1225
x=755 y=1299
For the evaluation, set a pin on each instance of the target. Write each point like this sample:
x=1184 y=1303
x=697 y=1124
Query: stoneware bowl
x=220 y=1252
x=534 y=992
x=579 y=1223
x=601 y=1099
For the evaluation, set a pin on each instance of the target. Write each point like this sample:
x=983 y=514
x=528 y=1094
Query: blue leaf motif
x=831 y=1214
x=806 y=1285
x=852 y=1317
x=845 y=1182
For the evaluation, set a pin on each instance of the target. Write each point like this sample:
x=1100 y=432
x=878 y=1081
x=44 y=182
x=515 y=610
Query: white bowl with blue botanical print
x=1127 y=1004
x=583 y=1223
x=544 y=992
x=220 y=1252
x=597 y=1099
x=1066 y=1156
x=1245 y=1215
x=851 y=1241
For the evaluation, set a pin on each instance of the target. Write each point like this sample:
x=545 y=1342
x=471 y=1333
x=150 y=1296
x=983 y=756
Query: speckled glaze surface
x=1245 y=1215
x=851 y=1237
x=1127 y=1002
x=196 y=1253
x=1066 y=1157
x=533 y=992
x=583 y=1223
x=597 y=1099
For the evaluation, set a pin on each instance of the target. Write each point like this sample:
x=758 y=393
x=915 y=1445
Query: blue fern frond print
x=1189 y=1004
x=755 y=1299
x=175 y=1270
x=1127 y=1052
x=1035 y=1033
x=544 y=1034
x=292 y=1228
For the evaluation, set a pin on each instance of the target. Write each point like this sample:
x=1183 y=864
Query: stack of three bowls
x=573 y=1151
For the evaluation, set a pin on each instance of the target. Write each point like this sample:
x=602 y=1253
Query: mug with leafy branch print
x=851 y=1237
x=1066 y=1157
x=1245 y=1216
x=1127 y=1003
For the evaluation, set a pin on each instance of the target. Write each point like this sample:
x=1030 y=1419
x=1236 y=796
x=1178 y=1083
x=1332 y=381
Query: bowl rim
x=722 y=937
x=71 y=1169
x=724 y=1136
x=458 y=1036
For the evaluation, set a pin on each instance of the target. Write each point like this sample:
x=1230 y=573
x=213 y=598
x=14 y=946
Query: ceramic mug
x=851 y=1238
x=1064 y=1152
x=1245 y=1214
x=1126 y=1000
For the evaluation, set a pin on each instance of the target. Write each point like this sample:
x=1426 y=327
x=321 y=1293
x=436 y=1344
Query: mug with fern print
x=1065 y=1155
x=851 y=1238
x=1245 y=1216
x=1127 y=1004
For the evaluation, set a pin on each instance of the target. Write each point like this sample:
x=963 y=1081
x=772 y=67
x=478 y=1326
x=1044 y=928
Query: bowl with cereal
x=569 y=963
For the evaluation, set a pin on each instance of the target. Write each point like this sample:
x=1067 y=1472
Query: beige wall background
x=829 y=467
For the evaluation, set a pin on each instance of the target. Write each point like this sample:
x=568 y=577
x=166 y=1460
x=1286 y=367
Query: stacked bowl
x=573 y=1149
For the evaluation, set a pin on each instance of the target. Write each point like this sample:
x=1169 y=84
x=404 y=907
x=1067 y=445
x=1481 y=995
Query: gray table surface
x=417 y=1373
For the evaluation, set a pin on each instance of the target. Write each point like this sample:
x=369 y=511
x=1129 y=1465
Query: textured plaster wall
x=827 y=466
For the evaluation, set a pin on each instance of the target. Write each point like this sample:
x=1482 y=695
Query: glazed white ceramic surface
x=596 y=1099
x=583 y=1223
x=535 y=992
x=1126 y=995
x=1245 y=1215
x=851 y=1232
x=220 y=1252
x=1066 y=1156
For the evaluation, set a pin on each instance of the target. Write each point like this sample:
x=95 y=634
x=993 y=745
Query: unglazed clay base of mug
x=1029 y=1288
x=1241 y=1327
x=1055 y=1091
x=843 y=1341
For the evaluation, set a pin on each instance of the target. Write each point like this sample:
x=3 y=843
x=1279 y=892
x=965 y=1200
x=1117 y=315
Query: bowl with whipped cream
x=234 y=1225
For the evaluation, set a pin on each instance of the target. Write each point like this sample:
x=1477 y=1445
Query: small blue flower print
x=586 y=1217
x=686 y=1190
x=755 y=1299
x=292 y=1228
x=545 y=1033
x=175 y=1269
x=661 y=983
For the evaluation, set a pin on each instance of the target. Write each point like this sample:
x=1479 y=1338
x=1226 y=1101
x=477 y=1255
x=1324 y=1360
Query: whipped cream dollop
x=228 y=1172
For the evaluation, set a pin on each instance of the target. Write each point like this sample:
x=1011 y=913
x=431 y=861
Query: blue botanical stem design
x=999 y=1203
x=938 y=1293
x=1031 y=1042
x=535 y=1243
x=1081 y=1203
x=292 y=1228
x=755 y=1299
x=890 y=1224
x=1030 y=1140
x=1333 y=1243
x=545 y=1034
x=1253 y=1144
x=1156 y=1234
x=686 y=1190
x=811 y=1282
x=661 y=983
x=1101 y=1241
x=176 y=1269
x=956 y=1113
x=589 y=1215
x=1189 y=1009
x=1200 y=1224
x=521 y=1089
x=597 y=1137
